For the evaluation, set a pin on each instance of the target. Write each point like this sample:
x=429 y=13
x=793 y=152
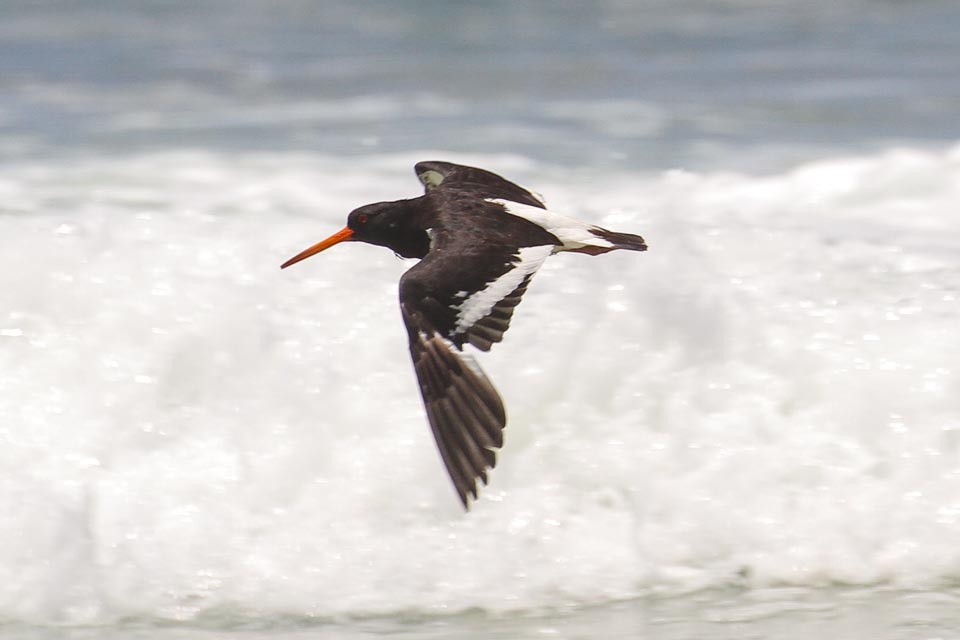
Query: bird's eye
x=362 y=218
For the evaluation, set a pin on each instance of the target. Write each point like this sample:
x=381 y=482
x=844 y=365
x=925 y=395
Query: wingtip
x=464 y=411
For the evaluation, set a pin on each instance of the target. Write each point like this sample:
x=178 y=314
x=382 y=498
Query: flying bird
x=480 y=238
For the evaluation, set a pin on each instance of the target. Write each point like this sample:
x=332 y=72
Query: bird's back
x=462 y=222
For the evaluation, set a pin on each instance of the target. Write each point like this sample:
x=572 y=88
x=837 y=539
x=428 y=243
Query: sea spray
x=768 y=396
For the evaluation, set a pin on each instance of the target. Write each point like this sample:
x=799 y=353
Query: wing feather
x=466 y=293
x=465 y=412
x=434 y=174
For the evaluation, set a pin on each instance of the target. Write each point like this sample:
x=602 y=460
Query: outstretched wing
x=465 y=412
x=446 y=302
x=470 y=297
x=434 y=174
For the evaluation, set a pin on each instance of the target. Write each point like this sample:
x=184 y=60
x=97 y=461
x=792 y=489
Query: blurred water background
x=753 y=430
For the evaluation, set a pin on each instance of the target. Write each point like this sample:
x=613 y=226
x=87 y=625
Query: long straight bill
x=340 y=236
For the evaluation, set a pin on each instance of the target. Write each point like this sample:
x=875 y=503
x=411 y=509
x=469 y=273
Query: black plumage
x=477 y=257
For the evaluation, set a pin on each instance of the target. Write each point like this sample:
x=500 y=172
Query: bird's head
x=387 y=224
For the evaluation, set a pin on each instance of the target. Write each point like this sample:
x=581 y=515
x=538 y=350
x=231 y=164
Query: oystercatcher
x=480 y=238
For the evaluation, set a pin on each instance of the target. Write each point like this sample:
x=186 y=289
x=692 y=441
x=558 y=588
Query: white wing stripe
x=479 y=304
x=570 y=231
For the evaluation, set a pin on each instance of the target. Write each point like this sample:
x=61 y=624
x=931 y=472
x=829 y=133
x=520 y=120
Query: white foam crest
x=769 y=395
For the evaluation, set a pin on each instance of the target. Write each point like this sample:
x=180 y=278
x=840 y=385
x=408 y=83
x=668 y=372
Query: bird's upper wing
x=434 y=174
x=448 y=299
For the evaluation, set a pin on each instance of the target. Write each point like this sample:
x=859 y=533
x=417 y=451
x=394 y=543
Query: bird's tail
x=629 y=241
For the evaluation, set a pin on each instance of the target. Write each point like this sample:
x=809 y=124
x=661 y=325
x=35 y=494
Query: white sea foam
x=769 y=395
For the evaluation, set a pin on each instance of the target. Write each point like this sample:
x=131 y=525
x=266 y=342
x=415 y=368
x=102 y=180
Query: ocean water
x=752 y=430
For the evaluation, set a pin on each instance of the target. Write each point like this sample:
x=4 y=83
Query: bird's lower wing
x=465 y=412
x=447 y=302
x=470 y=298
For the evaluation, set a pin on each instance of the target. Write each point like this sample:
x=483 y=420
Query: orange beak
x=340 y=236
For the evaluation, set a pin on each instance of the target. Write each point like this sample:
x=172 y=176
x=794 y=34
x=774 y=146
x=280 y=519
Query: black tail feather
x=628 y=241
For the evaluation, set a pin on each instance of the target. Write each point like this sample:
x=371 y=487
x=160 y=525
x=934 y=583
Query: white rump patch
x=481 y=303
x=572 y=233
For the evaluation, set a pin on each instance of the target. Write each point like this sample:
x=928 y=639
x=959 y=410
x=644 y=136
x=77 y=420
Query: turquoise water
x=755 y=85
